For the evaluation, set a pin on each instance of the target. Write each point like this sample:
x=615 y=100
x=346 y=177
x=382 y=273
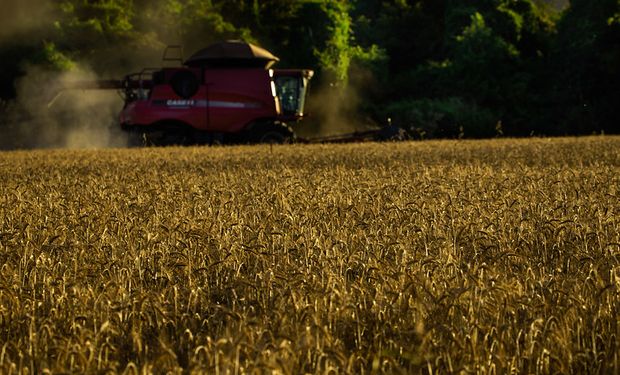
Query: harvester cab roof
x=231 y=54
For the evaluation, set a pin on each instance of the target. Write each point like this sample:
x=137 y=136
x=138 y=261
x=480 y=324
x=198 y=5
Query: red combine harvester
x=225 y=93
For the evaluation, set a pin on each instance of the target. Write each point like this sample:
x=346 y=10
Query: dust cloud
x=23 y=16
x=77 y=118
x=47 y=114
x=335 y=109
x=332 y=109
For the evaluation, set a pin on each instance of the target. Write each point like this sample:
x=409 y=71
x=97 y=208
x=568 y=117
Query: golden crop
x=436 y=257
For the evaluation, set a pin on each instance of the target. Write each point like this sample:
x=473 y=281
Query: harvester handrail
x=173 y=47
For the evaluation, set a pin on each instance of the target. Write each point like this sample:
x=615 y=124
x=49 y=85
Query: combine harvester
x=225 y=93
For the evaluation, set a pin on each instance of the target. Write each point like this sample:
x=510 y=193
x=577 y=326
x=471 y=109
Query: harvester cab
x=227 y=92
x=291 y=88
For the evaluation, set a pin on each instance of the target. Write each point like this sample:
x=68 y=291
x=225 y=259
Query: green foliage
x=194 y=23
x=482 y=63
x=479 y=44
x=410 y=32
x=89 y=25
x=335 y=54
x=374 y=59
x=585 y=60
x=55 y=58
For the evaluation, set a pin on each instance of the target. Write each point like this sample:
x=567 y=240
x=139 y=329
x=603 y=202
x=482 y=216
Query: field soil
x=498 y=256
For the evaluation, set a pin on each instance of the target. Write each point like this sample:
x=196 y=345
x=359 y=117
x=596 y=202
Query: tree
x=585 y=60
x=484 y=54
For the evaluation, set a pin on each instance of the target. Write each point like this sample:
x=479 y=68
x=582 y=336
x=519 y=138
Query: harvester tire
x=272 y=133
x=136 y=139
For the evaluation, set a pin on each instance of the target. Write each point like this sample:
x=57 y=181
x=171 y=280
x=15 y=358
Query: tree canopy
x=438 y=68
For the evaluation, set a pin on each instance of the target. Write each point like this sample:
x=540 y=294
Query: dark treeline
x=439 y=68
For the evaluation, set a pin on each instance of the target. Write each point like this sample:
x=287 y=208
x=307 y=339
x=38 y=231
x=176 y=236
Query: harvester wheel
x=140 y=138
x=136 y=139
x=272 y=133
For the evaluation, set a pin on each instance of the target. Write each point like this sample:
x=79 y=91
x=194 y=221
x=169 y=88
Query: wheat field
x=486 y=257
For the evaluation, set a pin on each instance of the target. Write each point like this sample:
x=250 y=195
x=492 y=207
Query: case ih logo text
x=180 y=103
